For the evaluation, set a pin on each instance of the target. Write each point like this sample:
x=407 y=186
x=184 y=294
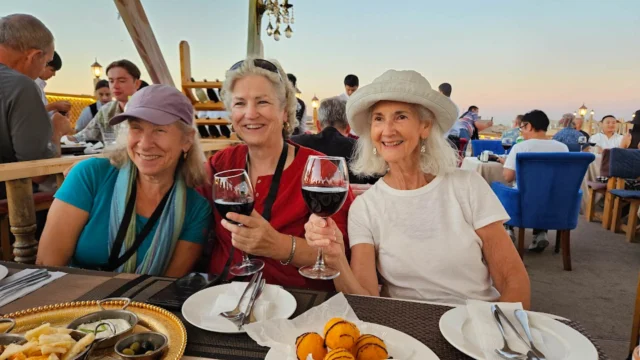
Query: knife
x=499 y=311
x=252 y=300
x=36 y=274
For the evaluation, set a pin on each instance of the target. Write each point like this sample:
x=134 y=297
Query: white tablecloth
x=490 y=171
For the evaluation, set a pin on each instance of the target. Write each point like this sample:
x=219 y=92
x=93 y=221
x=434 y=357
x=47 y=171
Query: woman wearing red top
x=262 y=106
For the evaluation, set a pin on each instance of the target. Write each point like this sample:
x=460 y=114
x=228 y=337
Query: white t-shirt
x=533 y=145
x=600 y=139
x=425 y=240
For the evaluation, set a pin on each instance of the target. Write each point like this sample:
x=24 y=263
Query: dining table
x=491 y=170
x=415 y=318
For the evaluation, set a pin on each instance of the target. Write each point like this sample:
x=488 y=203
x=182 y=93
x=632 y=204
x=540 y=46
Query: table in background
x=416 y=319
x=490 y=171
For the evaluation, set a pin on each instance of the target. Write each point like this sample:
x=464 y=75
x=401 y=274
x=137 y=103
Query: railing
x=22 y=215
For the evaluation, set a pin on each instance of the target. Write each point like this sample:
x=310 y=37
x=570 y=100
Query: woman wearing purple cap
x=135 y=211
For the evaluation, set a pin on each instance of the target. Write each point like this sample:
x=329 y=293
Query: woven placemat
x=421 y=321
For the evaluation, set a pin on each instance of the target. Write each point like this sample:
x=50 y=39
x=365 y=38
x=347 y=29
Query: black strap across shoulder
x=268 y=203
x=115 y=261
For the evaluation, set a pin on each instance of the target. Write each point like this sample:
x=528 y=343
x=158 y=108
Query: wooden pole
x=22 y=220
x=254 y=44
x=137 y=24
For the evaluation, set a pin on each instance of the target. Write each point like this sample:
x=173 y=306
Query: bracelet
x=293 y=251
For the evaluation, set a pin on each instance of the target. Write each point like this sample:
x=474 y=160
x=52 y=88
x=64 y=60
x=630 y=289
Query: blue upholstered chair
x=478 y=146
x=625 y=164
x=548 y=195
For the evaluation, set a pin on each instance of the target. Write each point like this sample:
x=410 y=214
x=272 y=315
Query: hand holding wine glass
x=232 y=192
x=325 y=234
x=325 y=185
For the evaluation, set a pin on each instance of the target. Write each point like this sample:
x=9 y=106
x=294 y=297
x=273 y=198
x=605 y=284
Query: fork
x=505 y=352
x=235 y=313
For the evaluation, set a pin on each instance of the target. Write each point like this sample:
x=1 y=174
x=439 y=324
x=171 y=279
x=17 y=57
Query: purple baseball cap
x=158 y=104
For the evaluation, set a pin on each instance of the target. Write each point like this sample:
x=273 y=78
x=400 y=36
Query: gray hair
x=285 y=92
x=23 y=32
x=439 y=157
x=567 y=120
x=191 y=168
x=333 y=112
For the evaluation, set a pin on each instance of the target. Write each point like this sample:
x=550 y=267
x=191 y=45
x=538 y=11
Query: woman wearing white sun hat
x=432 y=231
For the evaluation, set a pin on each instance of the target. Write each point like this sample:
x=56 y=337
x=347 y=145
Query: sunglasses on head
x=261 y=63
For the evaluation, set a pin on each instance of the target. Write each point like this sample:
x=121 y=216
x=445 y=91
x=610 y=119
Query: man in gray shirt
x=26 y=131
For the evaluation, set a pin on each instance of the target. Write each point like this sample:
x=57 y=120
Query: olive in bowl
x=143 y=346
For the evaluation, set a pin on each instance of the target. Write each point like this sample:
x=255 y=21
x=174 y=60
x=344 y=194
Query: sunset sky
x=507 y=57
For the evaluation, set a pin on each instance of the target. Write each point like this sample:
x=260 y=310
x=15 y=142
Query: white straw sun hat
x=406 y=86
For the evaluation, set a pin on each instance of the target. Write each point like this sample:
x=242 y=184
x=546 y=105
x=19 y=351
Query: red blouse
x=288 y=215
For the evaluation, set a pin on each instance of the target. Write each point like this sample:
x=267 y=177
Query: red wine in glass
x=232 y=192
x=325 y=185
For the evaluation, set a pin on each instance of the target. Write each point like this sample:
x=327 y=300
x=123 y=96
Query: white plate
x=3 y=272
x=562 y=341
x=283 y=305
x=393 y=338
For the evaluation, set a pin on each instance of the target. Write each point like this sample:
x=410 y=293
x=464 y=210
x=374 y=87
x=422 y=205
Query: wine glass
x=507 y=143
x=325 y=185
x=582 y=140
x=232 y=192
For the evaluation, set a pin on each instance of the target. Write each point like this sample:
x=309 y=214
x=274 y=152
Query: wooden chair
x=635 y=328
x=595 y=188
x=625 y=164
x=42 y=201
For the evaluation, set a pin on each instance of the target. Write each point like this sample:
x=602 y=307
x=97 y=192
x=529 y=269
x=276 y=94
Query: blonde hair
x=285 y=92
x=439 y=157
x=191 y=168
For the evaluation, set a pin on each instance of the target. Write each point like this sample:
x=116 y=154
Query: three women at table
x=432 y=232
x=262 y=106
x=136 y=211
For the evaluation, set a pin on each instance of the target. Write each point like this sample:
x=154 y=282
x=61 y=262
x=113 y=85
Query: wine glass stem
x=245 y=259
x=320 y=259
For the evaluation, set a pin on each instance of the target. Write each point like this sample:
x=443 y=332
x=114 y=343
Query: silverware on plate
x=235 y=313
x=251 y=317
x=523 y=318
x=505 y=352
x=243 y=315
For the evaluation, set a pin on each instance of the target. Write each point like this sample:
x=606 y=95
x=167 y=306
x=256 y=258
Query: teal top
x=89 y=187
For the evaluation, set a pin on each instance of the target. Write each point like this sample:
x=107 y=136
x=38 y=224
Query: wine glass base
x=247 y=268
x=319 y=272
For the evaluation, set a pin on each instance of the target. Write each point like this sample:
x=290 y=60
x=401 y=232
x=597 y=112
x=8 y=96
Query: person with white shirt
x=351 y=84
x=433 y=232
x=50 y=71
x=608 y=138
x=534 y=131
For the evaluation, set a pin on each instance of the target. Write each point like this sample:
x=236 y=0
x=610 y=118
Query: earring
x=423 y=149
x=184 y=155
x=287 y=127
x=375 y=151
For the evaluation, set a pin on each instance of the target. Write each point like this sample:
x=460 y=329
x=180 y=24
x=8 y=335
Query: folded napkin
x=487 y=332
x=14 y=295
x=94 y=148
x=64 y=140
x=262 y=309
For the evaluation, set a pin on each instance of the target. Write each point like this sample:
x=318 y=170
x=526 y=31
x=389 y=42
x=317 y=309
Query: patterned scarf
x=167 y=232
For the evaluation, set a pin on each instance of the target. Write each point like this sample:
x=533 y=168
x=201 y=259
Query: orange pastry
x=370 y=347
x=339 y=354
x=340 y=334
x=310 y=343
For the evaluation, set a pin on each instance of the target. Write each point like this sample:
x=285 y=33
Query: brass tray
x=152 y=318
